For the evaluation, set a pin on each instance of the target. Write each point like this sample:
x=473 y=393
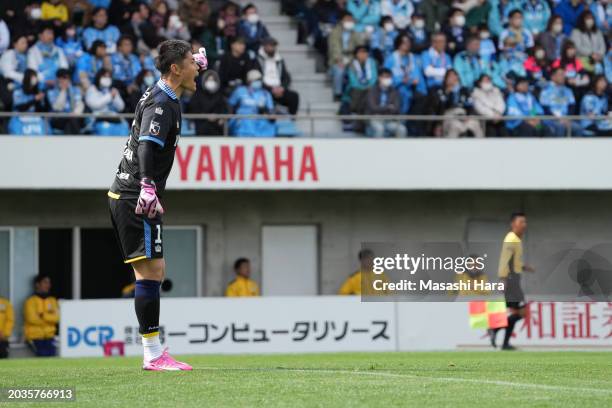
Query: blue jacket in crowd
x=569 y=14
x=364 y=14
x=431 y=59
x=595 y=105
x=535 y=14
x=470 y=68
x=110 y=34
x=383 y=41
x=521 y=104
x=511 y=64
x=125 y=69
x=246 y=100
x=402 y=67
x=557 y=100
x=89 y=64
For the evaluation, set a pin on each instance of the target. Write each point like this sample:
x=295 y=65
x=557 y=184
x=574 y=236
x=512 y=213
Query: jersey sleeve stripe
x=152 y=139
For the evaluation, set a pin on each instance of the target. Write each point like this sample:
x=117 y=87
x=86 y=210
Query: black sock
x=512 y=319
x=146 y=302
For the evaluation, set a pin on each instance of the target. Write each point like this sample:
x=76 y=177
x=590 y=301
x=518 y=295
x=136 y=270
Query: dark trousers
x=4 y=345
x=70 y=126
x=43 y=348
x=525 y=129
x=290 y=99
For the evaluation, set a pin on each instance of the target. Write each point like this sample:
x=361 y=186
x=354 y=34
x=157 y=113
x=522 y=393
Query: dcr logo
x=93 y=336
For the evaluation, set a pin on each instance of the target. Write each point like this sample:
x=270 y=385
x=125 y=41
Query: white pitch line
x=418 y=377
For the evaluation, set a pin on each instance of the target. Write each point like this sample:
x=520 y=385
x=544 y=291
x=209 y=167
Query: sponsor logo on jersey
x=159 y=110
x=154 y=128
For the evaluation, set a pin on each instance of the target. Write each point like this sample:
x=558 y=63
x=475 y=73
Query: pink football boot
x=165 y=363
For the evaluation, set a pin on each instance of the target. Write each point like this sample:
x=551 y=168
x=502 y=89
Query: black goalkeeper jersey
x=157 y=120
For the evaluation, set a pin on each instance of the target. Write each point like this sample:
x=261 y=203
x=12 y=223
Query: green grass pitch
x=451 y=379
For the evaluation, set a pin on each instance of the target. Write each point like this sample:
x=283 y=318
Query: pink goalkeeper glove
x=200 y=59
x=148 y=203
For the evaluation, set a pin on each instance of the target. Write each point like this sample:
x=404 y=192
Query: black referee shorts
x=139 y=236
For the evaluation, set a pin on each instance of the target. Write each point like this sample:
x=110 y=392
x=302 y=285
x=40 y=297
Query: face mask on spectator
x=253 y=18
x=484 y=35
x=540 y=54
x=148 y=80
x=385 y=82
x=256 y=84
x=419 y=24
x=589 y=23
x=175 y=21
x=36 y=13
x=105 y=82
x=211 y=85
x=459 y=20
x=557 y=28
x=33 y=81
x=389 y=27
x=348 y=25
x=486 y=86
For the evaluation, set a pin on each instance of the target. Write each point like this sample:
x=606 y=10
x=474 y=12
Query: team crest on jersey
x=154 y=128
x=157 y=248
x=159 y=110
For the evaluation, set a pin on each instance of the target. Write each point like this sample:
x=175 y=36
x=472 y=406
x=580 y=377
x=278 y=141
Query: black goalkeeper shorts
x=139 y=236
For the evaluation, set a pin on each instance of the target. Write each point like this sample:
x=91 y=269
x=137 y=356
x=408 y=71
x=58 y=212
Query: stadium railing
x=313 y=118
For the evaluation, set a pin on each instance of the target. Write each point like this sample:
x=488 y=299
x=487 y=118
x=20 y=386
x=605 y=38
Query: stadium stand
x=317 y=57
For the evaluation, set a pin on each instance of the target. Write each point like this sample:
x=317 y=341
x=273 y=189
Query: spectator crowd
x=489 y=58
x=98 y=57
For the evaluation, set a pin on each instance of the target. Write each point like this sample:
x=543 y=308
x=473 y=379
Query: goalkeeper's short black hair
x=171 y=52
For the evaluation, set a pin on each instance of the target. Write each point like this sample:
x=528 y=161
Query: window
x=290 y=260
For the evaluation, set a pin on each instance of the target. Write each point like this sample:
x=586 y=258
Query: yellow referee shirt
x=242 y=286
x=352 y=285
x=511 y=258
x=7 y=318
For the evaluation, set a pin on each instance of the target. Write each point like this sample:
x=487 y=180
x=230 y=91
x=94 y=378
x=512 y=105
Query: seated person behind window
x=65 y=98
x=252 y=99
x=242 y=286
x=100 y=98
x=7 y=319
x=384 y=99
x=41 y=316
x=362 y=280
x=208 y=98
